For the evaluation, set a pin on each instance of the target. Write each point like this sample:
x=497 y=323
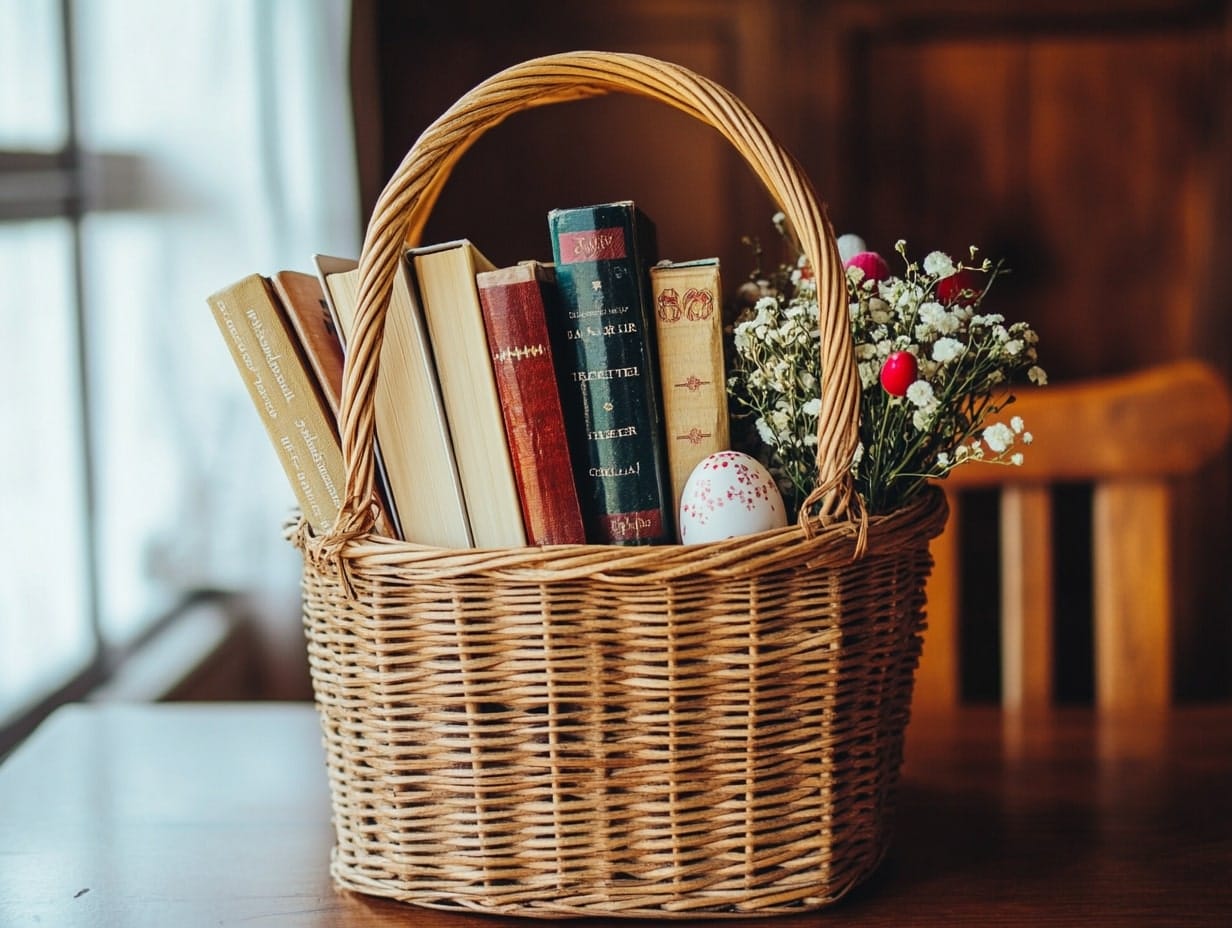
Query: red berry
x=899 y=372
x=963 y=286
x=871 y=263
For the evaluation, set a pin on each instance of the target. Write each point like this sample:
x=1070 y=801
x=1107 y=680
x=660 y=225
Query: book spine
x=514 y=302
x=412 y=437
x=262 y=346
x=609 y=384
x=303 y=302
x=689 y=333
x=444 y=277
x=319 y=339
x=388 y=522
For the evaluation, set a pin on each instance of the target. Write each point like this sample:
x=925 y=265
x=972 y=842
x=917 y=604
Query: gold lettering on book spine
x=272 y=360
x=241 y=346
x=519 y=353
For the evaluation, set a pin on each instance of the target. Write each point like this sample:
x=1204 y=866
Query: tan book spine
x=449 y=297
x=411 y=430
x=300 y=426
x=687 y=300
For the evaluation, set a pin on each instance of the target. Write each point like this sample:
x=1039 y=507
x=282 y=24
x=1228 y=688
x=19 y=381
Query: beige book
x=687 y=298
x=449 y=298
x=300 y=425
x=412 y=433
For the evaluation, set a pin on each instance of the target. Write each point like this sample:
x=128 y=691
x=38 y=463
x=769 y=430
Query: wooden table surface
x=187 y=815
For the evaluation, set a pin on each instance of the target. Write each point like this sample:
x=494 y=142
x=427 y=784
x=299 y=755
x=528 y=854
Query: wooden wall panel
x=1086 y=142
x=1091 y=164
x=699 y=192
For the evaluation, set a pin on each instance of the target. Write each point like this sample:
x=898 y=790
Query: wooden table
x=187 y=815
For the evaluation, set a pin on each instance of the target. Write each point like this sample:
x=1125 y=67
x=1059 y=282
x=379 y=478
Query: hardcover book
x=320 y=343
x=687 y=299
x=299 y=424
x=514 y=301
x=605 y=341
x=326 y=265
x=444 y=278
x=303 y=300
x=411 y=430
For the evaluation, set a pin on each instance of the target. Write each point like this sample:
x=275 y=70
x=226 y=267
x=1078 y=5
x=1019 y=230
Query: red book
x=513 y=301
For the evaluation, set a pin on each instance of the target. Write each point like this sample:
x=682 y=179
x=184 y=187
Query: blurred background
x=151 y=153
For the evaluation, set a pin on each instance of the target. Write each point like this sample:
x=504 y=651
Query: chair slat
x=937 y=678
x=1026 y=597
x=1131 y=522
x=1127 y=437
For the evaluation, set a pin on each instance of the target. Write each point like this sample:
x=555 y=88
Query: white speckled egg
x=728 y=494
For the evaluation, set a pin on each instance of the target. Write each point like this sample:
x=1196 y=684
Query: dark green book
x=608 y=372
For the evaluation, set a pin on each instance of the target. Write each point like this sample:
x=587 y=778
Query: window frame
x=37 y=185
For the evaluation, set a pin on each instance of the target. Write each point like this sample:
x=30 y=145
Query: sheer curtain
x=216 y=137
x=220 y=133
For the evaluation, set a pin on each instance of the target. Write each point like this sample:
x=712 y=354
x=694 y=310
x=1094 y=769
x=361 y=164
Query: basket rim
x=818 y=545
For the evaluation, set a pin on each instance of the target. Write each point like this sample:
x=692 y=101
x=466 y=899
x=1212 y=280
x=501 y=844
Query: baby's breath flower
x=764 y=431
x=963 y=354
x=947 y=349
x=998 y=437
x=921 y=394
x=778 y=424
x=938 y=264
x=870 y=373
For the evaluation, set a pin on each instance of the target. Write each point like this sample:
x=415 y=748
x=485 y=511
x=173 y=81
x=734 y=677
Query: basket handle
x=403 y=207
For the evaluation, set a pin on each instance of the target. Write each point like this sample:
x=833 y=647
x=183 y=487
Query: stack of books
x=543 y=403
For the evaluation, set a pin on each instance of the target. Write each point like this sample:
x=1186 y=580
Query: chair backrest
x=1128 y=437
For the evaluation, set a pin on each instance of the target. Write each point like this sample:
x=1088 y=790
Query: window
x=48 y=632
x=150 y=153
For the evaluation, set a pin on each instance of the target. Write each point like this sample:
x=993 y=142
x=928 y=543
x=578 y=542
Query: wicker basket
x=671 y=731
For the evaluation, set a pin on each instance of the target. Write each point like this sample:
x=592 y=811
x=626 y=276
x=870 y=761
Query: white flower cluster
x=781 y=368
x=938 y=421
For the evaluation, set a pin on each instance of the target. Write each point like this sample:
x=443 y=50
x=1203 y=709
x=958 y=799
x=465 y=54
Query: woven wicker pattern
x=670 y=731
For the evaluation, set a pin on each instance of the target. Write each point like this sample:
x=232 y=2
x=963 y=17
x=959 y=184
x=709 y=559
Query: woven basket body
x=673 y=731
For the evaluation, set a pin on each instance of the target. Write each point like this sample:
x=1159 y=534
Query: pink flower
x=871 y=263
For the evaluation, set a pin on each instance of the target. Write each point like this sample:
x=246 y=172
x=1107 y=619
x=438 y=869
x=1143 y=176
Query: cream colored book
x=283 y=389
x=444 y=275
x=687 y=298
x=412 y=433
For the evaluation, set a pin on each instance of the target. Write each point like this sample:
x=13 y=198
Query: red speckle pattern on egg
x=729 y=493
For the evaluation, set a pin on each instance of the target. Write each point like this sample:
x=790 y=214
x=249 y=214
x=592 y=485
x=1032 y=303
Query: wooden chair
x=1129 y=437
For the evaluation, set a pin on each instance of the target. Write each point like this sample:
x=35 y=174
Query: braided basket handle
x=403 y=208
